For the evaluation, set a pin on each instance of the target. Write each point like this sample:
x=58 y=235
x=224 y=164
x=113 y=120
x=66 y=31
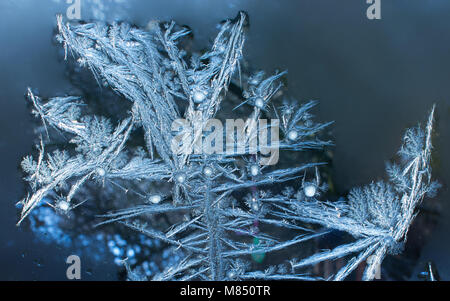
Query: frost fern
x=221 y=197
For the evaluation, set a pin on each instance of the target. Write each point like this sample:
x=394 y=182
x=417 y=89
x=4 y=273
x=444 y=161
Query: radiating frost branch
x=298 y=128
x=98 y=149
x=377 y=215
x=164 y=84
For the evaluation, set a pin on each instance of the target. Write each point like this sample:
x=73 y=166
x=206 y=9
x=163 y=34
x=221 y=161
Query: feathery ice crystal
x=378 y=215
x=222 y=198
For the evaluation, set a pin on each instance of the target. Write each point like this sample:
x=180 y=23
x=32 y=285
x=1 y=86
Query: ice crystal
x=378 y=215
x=215 y=203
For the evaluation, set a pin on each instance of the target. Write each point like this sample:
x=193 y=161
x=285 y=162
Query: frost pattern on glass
x=164 y=83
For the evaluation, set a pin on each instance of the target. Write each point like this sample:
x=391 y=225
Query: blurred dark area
x=374 y=78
